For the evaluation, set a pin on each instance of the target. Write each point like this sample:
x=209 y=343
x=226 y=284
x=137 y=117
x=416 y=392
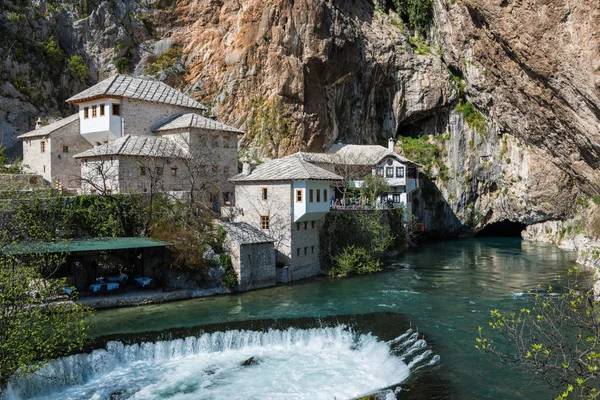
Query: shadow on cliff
x=432 y=210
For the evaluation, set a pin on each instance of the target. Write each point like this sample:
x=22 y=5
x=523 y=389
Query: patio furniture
x=96 y=287
x=111 y=286
x=143 y=282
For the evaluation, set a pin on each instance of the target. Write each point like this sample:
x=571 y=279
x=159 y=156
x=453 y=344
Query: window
x=43 y=146
x=312 y=224
x=380 y=171
x=298 y=195
x=305 y=225
x=318 y=195
x=227 y=198
x=298 y=251
x=264 y=222
x=116 y=109
x=310 y=195
x=312 y=249
x=159 y=170
x=399 y=172
x=305 y=250
x=297 y=226
x=142 y=171
x=94 y=111
x=264 y=193
x=86 y=112
x=102 y=110
x=325 y=195
x=65 y=149
x=389 y=172
x=44 y=168
x=174 y=171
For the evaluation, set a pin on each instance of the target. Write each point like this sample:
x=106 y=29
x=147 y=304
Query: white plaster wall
x=101 y=128
x=37 y=161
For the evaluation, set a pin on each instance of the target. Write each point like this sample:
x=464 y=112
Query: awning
x=80 y=245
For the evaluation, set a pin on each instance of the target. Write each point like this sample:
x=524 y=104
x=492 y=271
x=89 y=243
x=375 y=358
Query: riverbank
x=133 y=299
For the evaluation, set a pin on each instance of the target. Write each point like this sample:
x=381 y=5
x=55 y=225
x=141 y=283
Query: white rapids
x=320 y=363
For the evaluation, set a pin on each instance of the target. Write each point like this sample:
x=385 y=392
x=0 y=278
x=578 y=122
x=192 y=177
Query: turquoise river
x=445 y=289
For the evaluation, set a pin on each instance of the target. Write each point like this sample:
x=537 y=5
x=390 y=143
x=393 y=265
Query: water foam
x=320 y=363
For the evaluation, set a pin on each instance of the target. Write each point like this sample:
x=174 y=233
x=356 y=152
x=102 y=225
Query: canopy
x=79 y=245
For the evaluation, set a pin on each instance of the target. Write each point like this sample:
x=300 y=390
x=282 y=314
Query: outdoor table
x=143 y=282
x=95 y=287
x=112 y=286
x=120 y=278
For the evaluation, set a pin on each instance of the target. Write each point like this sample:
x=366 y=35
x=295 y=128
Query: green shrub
x=229 y=278
x=354 y=260
x=508 y=160
x=53 y=52
x=420 y=150
x=77 y=68
x=418 y=13
x=123 y=64
x=596 y=199
x=473 y=117
x=164 y=61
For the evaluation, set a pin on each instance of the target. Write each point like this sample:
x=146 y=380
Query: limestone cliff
x=318 y=71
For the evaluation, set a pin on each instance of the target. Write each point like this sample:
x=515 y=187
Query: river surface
x=445 y=289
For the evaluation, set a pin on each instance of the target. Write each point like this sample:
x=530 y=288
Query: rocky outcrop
x=318 y=71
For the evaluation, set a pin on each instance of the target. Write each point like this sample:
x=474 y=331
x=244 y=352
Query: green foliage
x=164 y=61
x=123 y=64
x=473 y=117
x=459 y=83
x=596 y=199
x=229 y=278
x=508 y=160
x=373 y=187
x=421 y=150
x=54 y=54
x=556 y=337
x=418 y=13
x=77 y=68
x=270 y=126
x=354 y=260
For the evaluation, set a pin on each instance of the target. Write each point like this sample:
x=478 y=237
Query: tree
x=34 y=326
x=373 y=187
x=557 y=338
x=418 y=13
x=77 y=68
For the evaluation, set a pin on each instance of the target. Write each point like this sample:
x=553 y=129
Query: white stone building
x=287 y=198
x=354 y=162
x=136 y=135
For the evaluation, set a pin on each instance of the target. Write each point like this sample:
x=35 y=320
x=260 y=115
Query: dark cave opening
x=503 y=228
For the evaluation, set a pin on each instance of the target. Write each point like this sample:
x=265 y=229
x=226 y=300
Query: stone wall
x=35 y=159
x=141 y=117
x=306 y=257
x=254 y=264
x=21 y=181
x=64 y=167
x=278 y=206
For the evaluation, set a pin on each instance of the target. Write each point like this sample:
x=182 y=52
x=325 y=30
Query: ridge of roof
x=286 y=169
x=195 y=120
x=48 y=129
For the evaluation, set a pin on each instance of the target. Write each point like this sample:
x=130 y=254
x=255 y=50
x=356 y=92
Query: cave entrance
x=504 y=228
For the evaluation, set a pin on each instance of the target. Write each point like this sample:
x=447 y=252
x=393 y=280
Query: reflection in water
x=447 y=289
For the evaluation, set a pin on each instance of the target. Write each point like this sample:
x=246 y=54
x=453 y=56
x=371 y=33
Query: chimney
x=391 y=144
x=38 y=123
x=213 y=117
x=246 y=169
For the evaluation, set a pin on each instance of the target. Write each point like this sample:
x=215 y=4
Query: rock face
x=317 y=71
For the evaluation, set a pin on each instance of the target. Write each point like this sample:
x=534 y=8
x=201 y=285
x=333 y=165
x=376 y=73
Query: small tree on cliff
x=557 y=338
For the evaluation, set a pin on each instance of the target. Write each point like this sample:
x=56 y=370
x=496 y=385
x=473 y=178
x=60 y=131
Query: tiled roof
x=285 y=169
x=48 y=129
x=361 y=154
x=193 y=120
x=141 y=146
x=244 y=233
x=137 y=88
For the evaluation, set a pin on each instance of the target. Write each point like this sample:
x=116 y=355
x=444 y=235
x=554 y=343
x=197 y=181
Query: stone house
x=287 y=198
x=48 y=151
x=354 y=162
x=134 y=134
x=252 y=255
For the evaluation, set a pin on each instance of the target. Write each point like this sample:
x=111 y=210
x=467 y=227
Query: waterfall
x=293 y=363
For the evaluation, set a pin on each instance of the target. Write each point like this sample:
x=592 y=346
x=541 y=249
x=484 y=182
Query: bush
x=354 y=260
x=229 y=278
x=53 y=52
x=123 y=64
x=164 y=61
x=473 y=117
x=418 y=13
x=77 y=68
x=420 y=150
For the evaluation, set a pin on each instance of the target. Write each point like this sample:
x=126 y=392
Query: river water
x=444 y=290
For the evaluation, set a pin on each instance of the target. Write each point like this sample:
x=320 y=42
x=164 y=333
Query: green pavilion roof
x=79 y=245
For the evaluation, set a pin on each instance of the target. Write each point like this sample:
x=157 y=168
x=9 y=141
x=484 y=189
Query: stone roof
x=136 y=88
x=244 y=233
x=361 y=154
x=137 y=146
x=193 y=120
x=286 y=169
x=48 y=129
